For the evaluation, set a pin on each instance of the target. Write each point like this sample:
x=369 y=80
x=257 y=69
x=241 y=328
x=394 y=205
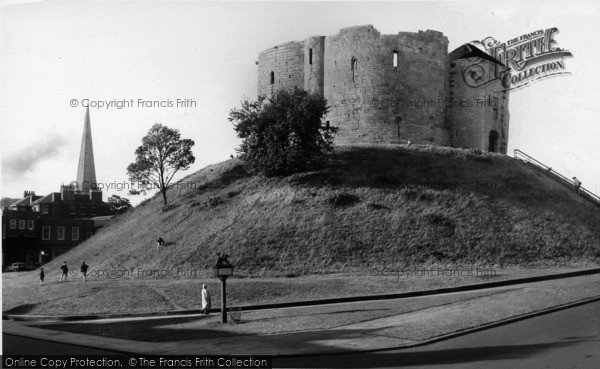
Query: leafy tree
x=284 y=134
x=119 y=204
x=162 y=154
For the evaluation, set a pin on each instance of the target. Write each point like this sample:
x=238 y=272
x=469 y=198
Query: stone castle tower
x=390 y=89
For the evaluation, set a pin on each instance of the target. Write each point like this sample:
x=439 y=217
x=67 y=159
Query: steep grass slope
x=371 y=206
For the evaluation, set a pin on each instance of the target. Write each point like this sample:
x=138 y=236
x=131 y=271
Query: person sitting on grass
x=576 y=185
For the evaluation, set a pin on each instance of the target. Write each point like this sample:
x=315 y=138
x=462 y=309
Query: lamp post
x=222 y=270
x=42 y=255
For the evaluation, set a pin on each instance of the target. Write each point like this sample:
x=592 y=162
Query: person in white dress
x=205 y=300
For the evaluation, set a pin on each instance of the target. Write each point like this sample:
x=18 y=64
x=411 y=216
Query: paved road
x=17 y=345
x=561 y=340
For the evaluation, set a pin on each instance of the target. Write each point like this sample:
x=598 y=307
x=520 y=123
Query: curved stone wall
x=281 y=67
x=386 y=89
x=479 y=109
x=314 y=67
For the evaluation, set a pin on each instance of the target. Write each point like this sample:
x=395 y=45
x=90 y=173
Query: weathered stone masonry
x=387 y=89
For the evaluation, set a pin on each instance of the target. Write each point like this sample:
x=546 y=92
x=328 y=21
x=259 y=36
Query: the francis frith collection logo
x=516 y=62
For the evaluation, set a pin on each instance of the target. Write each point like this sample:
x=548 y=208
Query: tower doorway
x=493 y=141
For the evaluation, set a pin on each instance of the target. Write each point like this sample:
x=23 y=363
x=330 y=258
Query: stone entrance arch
x=493 y=141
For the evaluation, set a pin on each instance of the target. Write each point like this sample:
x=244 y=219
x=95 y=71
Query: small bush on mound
x=409 y=193
x=477 y=155
x=426 y=197
x=443 y=225
x=474 y=154
x=341 y=199
x=213 y=201
x=437 y=256
x=231 y=194
x=373 y=206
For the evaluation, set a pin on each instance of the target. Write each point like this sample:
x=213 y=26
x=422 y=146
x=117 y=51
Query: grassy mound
x=395 y=206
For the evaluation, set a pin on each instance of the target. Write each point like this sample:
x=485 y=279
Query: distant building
x=39 y=228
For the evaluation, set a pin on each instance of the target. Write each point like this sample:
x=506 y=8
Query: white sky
x=53 y=52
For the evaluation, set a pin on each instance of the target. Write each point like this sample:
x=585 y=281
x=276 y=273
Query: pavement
x=280 y=332
x=568 y=338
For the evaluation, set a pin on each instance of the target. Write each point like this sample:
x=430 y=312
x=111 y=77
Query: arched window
x=272 y=78
x=310 y=56
x=395 y=59
x=353 y=66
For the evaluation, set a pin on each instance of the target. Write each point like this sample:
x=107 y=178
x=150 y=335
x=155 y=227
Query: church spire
x=86 y=172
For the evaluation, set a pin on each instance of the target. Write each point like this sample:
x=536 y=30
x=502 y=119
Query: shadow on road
x=151 y=330
x=420 y=358
x=21 y=309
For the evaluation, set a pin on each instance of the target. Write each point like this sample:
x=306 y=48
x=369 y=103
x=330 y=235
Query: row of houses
x=36 y=229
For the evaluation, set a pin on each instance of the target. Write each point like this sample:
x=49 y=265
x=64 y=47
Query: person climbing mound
x=159 y=243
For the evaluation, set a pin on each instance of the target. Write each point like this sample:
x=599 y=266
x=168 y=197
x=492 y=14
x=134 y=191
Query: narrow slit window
x=272 y=78
x=353 y=65
x=310 y=56
x=395 y=59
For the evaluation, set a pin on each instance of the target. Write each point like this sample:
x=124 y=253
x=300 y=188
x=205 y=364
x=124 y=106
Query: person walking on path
x=576 y=185
x=205 y=300
x=84 y=269
x=65 y=270
x=42 y=275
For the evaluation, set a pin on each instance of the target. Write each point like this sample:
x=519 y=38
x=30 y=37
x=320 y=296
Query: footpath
x=324 y=329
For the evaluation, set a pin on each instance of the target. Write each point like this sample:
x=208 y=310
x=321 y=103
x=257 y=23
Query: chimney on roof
x=67 y=193
x=95 y=196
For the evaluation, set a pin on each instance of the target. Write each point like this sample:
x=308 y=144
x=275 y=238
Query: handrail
x=521 y=155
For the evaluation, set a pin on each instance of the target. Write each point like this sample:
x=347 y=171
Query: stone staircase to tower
x=585 y=193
